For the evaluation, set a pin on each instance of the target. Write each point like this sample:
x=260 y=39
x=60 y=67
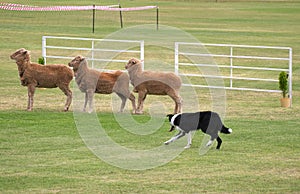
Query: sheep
x=155 y=83
x=91 y=81
x=42 y=76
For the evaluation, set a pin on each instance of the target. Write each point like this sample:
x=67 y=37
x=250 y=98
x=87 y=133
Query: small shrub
x=283 y=83
x=41 y=61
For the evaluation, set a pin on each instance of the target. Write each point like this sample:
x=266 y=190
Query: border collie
x=209 y=122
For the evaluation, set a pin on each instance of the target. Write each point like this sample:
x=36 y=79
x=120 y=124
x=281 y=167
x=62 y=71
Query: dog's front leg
x=209 y=142
x=179 y=135
x=189 y=136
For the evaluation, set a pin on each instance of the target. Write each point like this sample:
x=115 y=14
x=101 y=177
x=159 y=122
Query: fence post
x=93 y=53
x=231 y=66
x=142 y=54
x=44 y=49
x=290 y=75
x=176 y=58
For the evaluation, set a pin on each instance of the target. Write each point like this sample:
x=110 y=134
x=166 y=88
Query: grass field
x=42 y=151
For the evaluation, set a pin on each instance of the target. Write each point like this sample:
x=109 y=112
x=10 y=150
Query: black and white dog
x=209 y=122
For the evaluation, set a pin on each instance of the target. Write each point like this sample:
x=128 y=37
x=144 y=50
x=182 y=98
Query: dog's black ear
x=170 y=116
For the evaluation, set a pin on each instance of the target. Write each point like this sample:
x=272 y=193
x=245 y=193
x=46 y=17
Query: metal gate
x=238 y=58
x=69 y=47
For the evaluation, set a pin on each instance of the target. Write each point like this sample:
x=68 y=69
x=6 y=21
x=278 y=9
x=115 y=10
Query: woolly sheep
x=91 y=81
x=34 y=75
x=155 y=83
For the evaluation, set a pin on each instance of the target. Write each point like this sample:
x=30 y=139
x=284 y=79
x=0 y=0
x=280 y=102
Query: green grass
x=42 y=151
x=43 y=155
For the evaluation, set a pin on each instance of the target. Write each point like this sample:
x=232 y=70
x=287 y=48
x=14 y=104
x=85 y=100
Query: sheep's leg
x=85 y=101
x=90 y=97
x=69 y=100
x=142 y=103
x=140 y=107
x=123 y=98
x=178 y=102
x=132 y=99
x=176 y=108
x=67 y=91
x=31 y=90
x=124 y=95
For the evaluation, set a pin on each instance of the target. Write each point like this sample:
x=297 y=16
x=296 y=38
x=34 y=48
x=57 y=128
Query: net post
x=121 y=17
x=94 y=12
x=157 y=17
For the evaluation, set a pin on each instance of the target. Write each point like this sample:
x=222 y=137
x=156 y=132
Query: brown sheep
x=42 y=76
x=91 y=81
x=156 y=83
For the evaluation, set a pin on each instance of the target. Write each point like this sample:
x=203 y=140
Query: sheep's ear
x=26 y=52
x=80 y=58
x=133 y=61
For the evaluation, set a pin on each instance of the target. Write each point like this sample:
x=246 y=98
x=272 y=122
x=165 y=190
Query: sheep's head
x=21 y=55
x=76 y=62
x=133 y=63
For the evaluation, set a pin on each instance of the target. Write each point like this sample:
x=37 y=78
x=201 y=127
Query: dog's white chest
x=173 y=119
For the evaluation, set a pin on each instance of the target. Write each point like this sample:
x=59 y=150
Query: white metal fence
x=93 y=47
x=234 y=63
x=232 y=53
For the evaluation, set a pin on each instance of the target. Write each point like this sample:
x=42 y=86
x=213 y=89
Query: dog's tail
x=226 y=130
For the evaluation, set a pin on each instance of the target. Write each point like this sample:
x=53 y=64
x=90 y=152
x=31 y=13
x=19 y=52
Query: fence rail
x=91 y=49
x=232 y=65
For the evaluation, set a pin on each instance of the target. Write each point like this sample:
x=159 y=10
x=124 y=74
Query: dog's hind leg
x=189 y=136
x=219 y=140
x=179 y=135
